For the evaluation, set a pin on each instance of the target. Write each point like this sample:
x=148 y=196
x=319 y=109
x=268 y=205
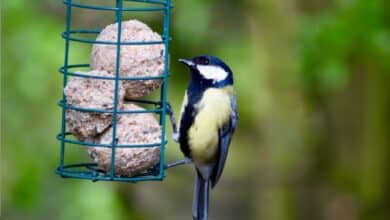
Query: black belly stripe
x=186 y=121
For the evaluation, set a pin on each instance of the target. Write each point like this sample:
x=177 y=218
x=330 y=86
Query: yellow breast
x=214 y=110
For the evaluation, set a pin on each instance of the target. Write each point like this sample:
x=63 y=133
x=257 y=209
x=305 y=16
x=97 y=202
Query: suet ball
x=135 y=60
x=90 y=93
x=140 y=128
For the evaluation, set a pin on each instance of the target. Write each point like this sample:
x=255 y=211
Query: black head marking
x=207 y=63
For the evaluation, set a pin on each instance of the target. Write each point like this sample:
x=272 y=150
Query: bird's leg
x=177 y=163
x=175 y=134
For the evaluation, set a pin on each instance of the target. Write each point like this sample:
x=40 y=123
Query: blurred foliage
x=341 y=38
x=312 y=80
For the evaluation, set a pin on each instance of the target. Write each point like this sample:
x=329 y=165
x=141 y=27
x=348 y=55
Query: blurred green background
x=313 y=86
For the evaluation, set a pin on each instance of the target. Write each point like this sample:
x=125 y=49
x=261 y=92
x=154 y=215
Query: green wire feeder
x=89 y=170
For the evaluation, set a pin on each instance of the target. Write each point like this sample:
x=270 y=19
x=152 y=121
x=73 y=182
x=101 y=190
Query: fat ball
x=90 y=93
x=135 y=60
x=140 y=128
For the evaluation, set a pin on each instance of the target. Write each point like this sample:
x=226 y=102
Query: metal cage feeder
x=89 y=170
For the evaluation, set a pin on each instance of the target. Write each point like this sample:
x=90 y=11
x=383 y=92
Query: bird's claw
x=169 y=111
x=175 y=137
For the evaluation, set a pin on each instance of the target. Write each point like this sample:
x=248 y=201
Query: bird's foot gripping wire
x=177 y=163
x=171 y=114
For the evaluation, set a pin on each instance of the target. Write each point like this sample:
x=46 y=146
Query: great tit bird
x=207 y=122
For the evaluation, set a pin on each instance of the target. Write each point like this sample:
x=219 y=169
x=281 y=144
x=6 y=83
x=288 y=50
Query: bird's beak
x=187 y=62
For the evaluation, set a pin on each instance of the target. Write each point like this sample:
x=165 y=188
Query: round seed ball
x=131 y=129
x=90 y=93
x=135 y=60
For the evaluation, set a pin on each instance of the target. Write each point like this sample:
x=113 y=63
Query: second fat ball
x=136 y=128
x=90 y=93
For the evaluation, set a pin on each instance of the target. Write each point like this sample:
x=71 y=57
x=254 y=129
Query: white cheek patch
x=212 y=72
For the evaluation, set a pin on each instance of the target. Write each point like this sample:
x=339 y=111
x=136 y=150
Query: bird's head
x=209 y=69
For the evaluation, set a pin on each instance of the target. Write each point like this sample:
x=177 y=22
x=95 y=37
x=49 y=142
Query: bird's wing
x=225 y=135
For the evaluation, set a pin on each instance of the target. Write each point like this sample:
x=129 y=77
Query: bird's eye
x=201 y=60
x=204 y=61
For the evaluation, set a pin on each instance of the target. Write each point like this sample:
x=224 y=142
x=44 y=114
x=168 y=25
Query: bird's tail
x=200 y=205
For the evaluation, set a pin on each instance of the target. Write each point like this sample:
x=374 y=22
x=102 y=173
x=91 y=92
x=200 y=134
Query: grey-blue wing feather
x=225 y=135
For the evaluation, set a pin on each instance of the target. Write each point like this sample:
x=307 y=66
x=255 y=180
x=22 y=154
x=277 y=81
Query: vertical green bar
x=167 y=15
x=119 y=6
x=66 y=63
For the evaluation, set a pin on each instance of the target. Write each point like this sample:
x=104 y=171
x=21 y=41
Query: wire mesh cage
x=91 y=170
